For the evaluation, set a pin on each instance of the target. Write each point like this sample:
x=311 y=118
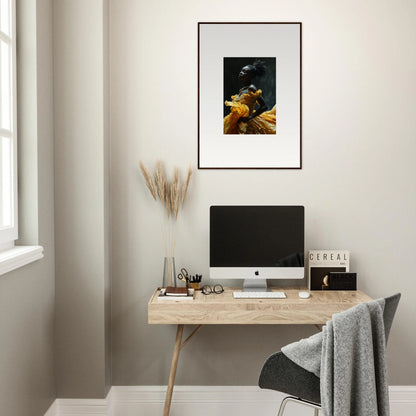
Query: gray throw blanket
x=349 y=357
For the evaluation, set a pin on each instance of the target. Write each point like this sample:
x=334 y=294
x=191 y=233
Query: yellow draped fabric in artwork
x=242 y=106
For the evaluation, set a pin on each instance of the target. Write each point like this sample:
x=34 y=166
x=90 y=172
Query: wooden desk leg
x=173 y=367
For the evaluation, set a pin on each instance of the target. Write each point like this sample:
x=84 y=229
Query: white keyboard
x=259 y=295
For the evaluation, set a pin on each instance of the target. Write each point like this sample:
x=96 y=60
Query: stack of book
x=324 y=262
x=176 y=293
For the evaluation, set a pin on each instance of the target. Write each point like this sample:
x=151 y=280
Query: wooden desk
x=223 y=309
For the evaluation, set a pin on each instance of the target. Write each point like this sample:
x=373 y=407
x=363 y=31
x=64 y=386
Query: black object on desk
x=342 y=281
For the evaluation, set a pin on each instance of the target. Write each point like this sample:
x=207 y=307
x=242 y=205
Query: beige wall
x=27 y=384
x=81 y=198
x=357 y=181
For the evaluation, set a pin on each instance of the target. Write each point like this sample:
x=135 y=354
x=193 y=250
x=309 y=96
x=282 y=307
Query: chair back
x=390 y=308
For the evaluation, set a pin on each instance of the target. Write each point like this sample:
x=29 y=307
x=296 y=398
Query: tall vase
x=169 y=273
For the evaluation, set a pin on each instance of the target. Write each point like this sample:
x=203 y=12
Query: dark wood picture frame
x=203 y=165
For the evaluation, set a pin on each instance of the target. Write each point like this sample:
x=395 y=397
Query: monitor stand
x=255 y=285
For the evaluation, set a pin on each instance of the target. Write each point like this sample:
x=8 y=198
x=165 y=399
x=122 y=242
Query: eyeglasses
x=217 y=289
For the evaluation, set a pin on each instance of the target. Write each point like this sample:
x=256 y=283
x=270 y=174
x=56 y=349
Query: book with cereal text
x=322 y=262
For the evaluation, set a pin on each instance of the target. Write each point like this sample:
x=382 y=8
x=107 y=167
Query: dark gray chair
x=282 y=374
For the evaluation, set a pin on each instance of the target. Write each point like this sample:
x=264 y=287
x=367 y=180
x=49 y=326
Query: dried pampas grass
x=175 y=193
x=171 y=194
x=186 y=184
x=149 y=180
x=160 y=181
x=166 y=199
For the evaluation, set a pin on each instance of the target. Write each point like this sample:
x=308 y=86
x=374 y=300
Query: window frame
x=9 y=234
x=15 y=256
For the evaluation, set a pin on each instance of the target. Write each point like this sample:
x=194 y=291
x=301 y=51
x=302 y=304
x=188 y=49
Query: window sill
x=19 y=256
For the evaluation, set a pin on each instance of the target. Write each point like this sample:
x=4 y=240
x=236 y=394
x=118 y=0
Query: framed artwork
x=249 y=95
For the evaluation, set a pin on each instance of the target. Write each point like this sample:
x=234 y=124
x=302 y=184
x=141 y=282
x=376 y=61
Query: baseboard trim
x=84 y=407
x=53 y=410
x=202 y=400
x=191 y=394
x=402 y=394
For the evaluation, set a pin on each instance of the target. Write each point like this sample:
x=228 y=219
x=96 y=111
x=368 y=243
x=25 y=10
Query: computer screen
x=257 y=242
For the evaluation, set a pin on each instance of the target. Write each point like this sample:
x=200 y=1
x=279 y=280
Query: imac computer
x=256 y=243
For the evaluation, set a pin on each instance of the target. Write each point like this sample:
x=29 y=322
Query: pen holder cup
x=195 y=286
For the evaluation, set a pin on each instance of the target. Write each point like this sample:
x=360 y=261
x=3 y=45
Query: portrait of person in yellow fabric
x=250 y=111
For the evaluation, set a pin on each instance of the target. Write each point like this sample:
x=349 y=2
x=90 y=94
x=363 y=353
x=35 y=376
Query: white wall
x=357 y=181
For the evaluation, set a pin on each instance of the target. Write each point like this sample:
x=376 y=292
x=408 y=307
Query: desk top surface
x=224 y=309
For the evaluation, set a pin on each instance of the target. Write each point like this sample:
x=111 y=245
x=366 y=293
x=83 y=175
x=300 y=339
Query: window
x=8 y=145
x=11 y=256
